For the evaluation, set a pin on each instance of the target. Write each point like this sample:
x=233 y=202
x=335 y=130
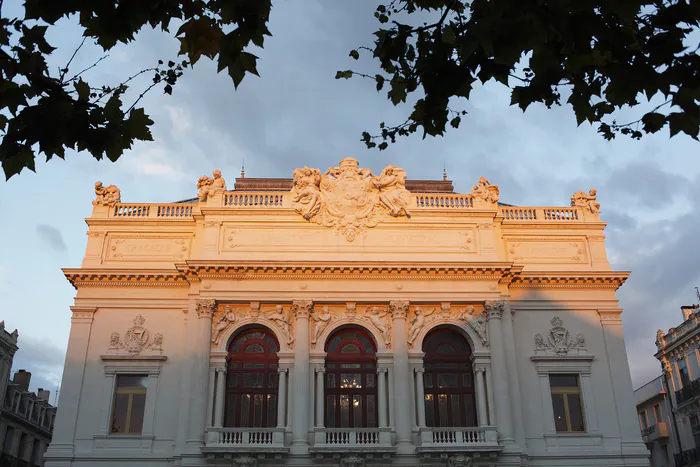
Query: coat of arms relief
x=349 y=198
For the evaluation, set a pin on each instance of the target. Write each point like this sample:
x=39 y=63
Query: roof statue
x=349 y=198
x=484 y=191
x=209 y=186
x=586 y=201
x=106 y=196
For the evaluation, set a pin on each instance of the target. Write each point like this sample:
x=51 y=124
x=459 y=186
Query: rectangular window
x=566 y=402
x=129 y=404
x=657 y=413
x=683 y=372
x=643 y=420
x=695 y=429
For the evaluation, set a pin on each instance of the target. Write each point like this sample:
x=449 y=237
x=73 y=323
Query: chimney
x=23 y=377
x=688 y=311
x=43 y=394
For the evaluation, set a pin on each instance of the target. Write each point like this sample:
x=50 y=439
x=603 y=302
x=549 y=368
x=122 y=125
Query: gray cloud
x=51 y=236
x=43 y=359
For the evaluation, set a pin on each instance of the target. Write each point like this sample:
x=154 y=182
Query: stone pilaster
x=403 y=403
x=301 y=379
x=494 y=312
x=513 y=378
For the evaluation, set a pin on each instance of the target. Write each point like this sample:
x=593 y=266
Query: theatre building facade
x=345 y=318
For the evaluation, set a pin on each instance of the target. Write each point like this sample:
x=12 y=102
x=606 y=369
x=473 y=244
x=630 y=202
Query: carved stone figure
x=660 y=338
x=322 y=319
x=352 y=460
x=459 y=460
x=114 y=341
x=136 y=339
x=349 y=198
x=227 y=319
x=392 y=190
x=484 y=191
x=379 y=320
x=106 y=196
x=245 y=461
x=350 y=310
x=254 y=311
x=209 y=186
x=157 y=342
x=476 y=321
x=586 y=201
x=306 y=194
x=283 y=320
x=417 y=323
x=558 y=340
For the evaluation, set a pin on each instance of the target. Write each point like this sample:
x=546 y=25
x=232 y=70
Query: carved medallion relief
x=137 y=340
x=559 y=341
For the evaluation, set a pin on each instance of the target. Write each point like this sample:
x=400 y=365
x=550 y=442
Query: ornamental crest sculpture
x=586 y=201
x=559 y=341
x=136 y=340
x=106 y=195
x=349 y=198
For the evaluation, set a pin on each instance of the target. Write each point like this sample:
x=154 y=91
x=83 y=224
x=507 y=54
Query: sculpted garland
x=349 y=198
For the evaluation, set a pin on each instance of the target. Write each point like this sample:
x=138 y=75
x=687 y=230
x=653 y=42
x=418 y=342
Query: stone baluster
x=300 y=409
x=420 y=397
x=494 y=310
x=282 y=398
x=402 y=398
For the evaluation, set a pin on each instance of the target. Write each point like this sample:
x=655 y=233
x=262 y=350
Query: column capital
x=321 y=370
x=494 y=308
x=399 y=308
x=610 y=316
x=86 y=313
x=382 y=370
x=205 y=308
x=302 y=308
x=220 y=369
x=282 y=370
x=419 y=370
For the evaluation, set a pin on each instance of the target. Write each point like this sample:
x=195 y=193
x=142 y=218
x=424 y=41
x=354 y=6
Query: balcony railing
x=357 y=436
x=688 y=457
x=654 y=432
x=245 y=438
x=688 y=392
x=463 y=437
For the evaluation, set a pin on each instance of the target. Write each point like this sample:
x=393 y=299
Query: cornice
x=564 y=279
x=131 y=278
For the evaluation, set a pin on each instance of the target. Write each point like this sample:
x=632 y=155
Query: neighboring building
x=656 y=422
x=677 y=351
x=26 y=418
x=345 y=319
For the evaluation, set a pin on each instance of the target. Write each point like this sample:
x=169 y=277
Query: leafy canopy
x=600 y=56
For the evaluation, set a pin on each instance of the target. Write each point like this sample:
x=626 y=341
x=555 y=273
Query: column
x=494 y=310
x=480 y=397
x=420 y=397
x=61 y=448
x=212 y=395
x=183 y=405
x=199 y=390
x=219 y=397
x=402 y=398
x=282 y=398
x=513 y=379
x=381 y=395
x=320 y=381
x=489 y=397
x=621 y=381
x=300 y=409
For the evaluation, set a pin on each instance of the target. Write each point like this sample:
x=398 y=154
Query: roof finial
x=444 y=172
x=697 y=293
x=243 y=169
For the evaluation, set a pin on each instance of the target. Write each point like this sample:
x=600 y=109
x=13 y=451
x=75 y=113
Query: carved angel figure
x=378 y=318
x=322 y=319
x=106 y=196
x=228 y=318
x=306 y=195
x=209 y=186
x=476 y=322
x=283 y=320
x=586 y=201
x=417 y=323
x=392 y=190
x=484 y=191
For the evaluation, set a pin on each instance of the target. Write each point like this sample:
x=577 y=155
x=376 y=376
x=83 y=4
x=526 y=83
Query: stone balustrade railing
x=461 y=436
x=249 y=436
x=352 y=436
x=556 y=214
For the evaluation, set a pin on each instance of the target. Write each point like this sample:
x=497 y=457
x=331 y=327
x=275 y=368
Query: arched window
x=351 y=379
x=252 y=380
x=448 y=380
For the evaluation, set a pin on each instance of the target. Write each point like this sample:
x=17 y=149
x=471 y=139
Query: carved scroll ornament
x=137 y=339
x=558 y=341
x=348 y=198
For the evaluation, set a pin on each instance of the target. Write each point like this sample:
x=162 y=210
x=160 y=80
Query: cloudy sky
x=298 y=114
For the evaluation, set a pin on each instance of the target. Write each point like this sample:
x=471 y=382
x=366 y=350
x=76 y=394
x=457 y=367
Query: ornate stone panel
x=146 y=248
x=551 y=250
x=559 y=341
x=137 y=340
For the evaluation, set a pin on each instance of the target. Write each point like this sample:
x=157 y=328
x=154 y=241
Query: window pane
x=442 y=409
x=467 y=380
x=445 y=349
x=446 y=366
x=254 y=348
x=258 y=410
x=370 y=380
x=447 y=380
x=138 y=405
x=245 y=409
x=252 y=380
x=357 y=411
x=351 y=365
x=272 y=380
x=232 y=379
x=371 y=411
x=121 y=404
x=469 y=411
x=429 y=410
x=350 y=348
x=330 y=412
x=330 y=380
x=575 y=412
x=254 y=365
x=231 y=409
x=271 y=411
x=427 y=380
x=563 y=381
x=132 y=381
x=456 y=412
x=344 y=411
x=559 y=412
x=350 y=380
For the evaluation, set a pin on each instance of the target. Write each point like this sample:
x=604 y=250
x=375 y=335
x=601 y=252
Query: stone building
x=26 y=418
x=677 y=350
x=345 y=319
x=656 y=422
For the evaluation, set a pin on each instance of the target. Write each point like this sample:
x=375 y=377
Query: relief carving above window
x=558 y=341
x=137 y=340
